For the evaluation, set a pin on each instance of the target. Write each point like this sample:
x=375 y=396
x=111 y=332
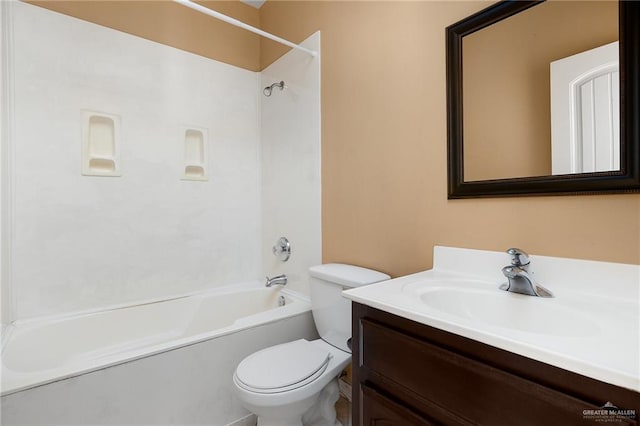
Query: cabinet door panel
x=470 y=389
x=379 y=410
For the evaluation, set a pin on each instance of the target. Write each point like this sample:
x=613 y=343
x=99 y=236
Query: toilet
x=296 y=383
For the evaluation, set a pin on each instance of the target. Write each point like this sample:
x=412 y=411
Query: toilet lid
x=283 y=366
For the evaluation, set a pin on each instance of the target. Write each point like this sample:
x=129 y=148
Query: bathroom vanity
x=407 y=373
x=447 y=346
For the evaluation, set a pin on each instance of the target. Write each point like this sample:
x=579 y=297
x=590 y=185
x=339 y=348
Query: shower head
x=267 y=90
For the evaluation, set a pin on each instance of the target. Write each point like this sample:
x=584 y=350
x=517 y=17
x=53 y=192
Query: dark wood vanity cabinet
x=406 y=373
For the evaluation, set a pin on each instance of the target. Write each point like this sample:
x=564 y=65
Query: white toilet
x=296 y=383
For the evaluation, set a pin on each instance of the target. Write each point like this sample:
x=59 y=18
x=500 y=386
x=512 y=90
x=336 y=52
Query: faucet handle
x=518 y=257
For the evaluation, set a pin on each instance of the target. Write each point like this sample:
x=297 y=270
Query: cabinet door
x=443 y=378
x=378 y=410
x=474 y=391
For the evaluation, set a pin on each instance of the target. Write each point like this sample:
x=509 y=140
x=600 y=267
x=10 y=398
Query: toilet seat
x=282 y=368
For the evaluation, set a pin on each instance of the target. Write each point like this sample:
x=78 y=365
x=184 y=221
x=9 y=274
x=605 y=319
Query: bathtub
x=220 y=326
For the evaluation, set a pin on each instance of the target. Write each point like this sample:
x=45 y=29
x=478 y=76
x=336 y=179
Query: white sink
x=509 y=310
x=591 y=326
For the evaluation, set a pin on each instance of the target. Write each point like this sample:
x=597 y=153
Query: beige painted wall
x=175 y=25
x=384 y=133
x=384 y=148
x=510 y=61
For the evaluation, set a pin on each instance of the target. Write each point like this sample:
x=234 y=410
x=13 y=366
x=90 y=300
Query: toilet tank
x=331 y=311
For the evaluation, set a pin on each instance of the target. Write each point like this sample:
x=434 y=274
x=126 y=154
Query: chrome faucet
x=519 y=278
x=277 y=280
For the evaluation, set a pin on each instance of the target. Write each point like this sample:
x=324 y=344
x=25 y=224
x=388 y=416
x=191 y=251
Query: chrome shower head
x=267 y=90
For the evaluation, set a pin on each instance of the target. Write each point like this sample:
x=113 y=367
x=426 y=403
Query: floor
x=343 y=406
x=343 y=410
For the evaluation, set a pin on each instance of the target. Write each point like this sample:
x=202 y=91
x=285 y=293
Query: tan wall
x=176 y=25
x=384 y=132
x=384 y=148
x=510 y=60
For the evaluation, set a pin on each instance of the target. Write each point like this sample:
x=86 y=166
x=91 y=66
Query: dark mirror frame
x=626 y=180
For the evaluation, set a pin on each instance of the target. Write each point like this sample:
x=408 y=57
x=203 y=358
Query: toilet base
x=323 y=412
x=319 y=410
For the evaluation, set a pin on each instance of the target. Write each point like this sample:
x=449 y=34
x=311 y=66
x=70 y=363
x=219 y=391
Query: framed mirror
x=543 y=98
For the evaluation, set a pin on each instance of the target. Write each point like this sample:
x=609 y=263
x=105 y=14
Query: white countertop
x=591 y=326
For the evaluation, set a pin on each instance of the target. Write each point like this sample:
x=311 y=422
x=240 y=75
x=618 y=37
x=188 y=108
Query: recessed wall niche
x=100 y=144
x=195 y=154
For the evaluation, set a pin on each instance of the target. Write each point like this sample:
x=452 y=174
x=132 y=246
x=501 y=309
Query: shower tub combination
x=166 y=362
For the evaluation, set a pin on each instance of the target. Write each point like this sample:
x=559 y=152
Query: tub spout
x=277 y=280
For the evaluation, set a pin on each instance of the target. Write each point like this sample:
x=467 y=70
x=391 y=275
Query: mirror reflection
x=541 y=93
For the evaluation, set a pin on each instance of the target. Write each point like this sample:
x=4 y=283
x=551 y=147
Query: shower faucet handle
x=282 y=249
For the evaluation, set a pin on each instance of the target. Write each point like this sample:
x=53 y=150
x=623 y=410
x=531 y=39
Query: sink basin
x=591 y=326
x=509 y=310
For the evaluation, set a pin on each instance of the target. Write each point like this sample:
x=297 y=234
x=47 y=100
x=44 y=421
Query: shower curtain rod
x=232 y=21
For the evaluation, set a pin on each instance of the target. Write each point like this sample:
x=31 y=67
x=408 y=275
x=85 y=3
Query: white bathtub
x=44 y=351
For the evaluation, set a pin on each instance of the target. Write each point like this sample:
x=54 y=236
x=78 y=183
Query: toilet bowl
x=296 y=383
x=282 y=383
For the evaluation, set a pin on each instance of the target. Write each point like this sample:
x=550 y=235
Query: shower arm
x=232 y=21
x=267 y=90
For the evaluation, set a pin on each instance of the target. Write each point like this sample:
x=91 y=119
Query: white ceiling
x=254 y=3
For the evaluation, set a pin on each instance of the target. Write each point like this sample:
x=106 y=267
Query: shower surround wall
x=291 y=163
x=5 y=101
x=86 y=242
